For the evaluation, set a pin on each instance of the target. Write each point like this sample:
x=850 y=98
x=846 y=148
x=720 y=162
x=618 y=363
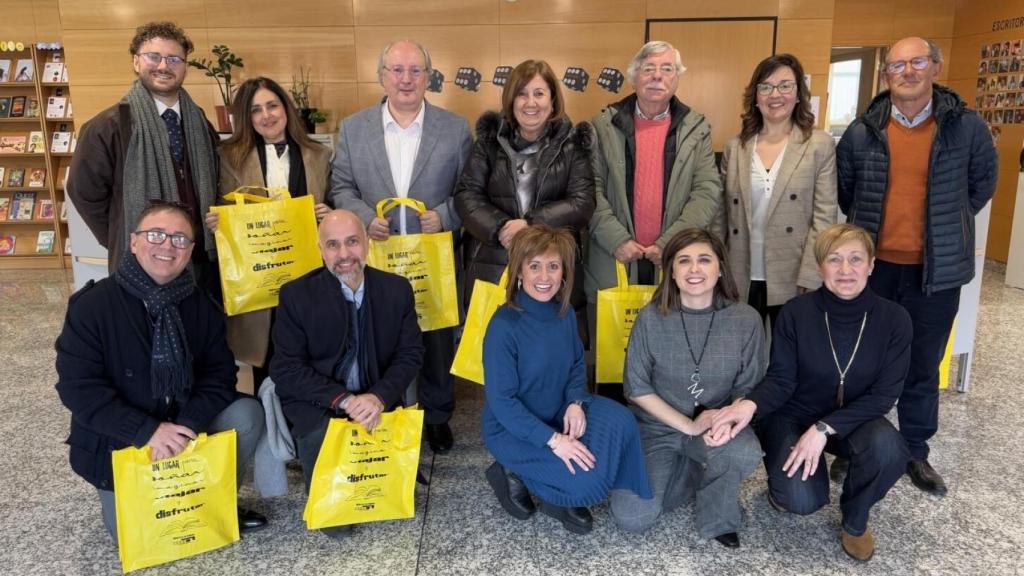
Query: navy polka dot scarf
x=170 y=361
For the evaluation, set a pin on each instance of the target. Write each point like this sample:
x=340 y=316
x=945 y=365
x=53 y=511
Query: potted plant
x=220 y=71
x=300 y=95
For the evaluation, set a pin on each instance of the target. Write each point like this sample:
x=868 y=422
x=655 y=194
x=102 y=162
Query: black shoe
x=925 y=477
x=439 y=436
x=778 y=507
x=729 y=539
x=249 y=521
x=576 y=519
x=511 y=493
x=837 y=472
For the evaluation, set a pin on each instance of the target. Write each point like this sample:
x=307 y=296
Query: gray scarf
x=148 y=167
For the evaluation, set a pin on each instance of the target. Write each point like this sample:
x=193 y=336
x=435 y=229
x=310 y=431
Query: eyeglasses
x=399 y=71
x=784 y=87
x=154 y=59
x=917 y=63
x=666 y=69
x=158 y=237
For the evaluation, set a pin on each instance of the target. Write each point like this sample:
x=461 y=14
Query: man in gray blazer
x=404 y=147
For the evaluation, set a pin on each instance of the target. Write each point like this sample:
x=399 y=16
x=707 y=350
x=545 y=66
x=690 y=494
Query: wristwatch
x=823 y=428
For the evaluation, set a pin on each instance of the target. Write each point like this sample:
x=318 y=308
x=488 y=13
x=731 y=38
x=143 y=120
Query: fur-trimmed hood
x=491 y=125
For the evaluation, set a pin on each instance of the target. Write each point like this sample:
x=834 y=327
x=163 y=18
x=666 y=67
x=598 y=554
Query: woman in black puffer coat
x=529 y=165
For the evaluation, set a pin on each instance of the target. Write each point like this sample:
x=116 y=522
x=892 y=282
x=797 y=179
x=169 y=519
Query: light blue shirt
x=352 y=379
x=916 y=120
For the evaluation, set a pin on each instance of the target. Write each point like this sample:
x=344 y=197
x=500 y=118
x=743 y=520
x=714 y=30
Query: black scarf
x=296 y=168
x=171 y=360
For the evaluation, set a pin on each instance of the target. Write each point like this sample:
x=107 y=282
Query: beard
x=355 y=273
x=149 y=83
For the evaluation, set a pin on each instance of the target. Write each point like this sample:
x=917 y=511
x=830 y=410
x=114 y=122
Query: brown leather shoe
x=859 y=547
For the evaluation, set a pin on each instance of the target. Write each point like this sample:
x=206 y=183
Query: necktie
x=175 y=136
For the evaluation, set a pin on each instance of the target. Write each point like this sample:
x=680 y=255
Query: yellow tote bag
x=360 y=477
x=485 y=300
x=426 y=261
x=176 y=507
x=262 y=245
x=616 y=311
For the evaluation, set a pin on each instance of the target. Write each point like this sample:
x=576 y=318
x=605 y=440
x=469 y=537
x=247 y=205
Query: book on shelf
x=32 y=108
x=69 y=113
x=45 y=211
x=5 y=205
x=63 y=209
x=36 y=177
x=24 y=71
x=7 y=244
x=18 y=107
x=55 y=106
x=44 y=242
x=74 y=141
x=22 y=204
x=12 y=144
x=67 y=245
x=15 y=177
x=52 y=71
x=61 y=142
x=5 y=70
x=64 y=74
x=3 y=172
x=36 y=144
x=67 y=171
x=5 y=106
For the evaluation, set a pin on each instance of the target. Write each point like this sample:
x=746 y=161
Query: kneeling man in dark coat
x=346 y=341
x=143 y=360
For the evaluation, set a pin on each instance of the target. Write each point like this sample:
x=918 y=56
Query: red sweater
x=648 y=178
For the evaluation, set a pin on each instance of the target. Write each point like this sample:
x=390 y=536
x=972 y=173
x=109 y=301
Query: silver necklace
x=835 y=357
x=695 y=376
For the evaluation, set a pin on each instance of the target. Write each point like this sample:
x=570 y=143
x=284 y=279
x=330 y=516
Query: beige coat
x=802 y=204
x=248 y=334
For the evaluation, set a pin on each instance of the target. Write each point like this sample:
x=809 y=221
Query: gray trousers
x=245 y=415
x=681 y=466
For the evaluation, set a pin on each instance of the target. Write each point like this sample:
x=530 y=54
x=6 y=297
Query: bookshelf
x=32 y=237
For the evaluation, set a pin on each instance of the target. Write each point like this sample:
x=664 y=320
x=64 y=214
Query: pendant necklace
x=835 y=357
x=695 y=376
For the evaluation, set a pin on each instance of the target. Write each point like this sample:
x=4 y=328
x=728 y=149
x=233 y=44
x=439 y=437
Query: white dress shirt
x=401 y=144
x=277 y=167
x=762 y=182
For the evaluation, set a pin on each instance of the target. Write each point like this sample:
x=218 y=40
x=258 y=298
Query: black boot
x=575 y=519
x=511 y=492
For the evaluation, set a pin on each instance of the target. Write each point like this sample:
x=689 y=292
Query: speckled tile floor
x=50 y=523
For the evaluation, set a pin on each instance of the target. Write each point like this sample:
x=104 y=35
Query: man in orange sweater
x=914 y=169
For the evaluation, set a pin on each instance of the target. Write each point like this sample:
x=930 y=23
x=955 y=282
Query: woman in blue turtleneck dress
x=839 y=358
x=550 y=437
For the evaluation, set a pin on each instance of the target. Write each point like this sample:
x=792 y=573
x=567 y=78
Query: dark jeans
x=932 y=317
x=757 y=297
x=878 y=458
x=436 y=389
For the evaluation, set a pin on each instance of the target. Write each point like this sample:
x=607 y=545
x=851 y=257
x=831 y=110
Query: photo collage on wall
x=1000 y=94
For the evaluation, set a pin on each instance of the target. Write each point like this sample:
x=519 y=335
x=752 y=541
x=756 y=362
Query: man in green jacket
x=654 y=171
x=654 y=174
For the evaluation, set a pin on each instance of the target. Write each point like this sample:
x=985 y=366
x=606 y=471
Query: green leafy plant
x=318 y=117
x=220 y=69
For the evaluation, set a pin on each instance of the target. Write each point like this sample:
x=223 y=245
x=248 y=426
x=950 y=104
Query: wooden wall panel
x=115 y=14
x=425 y=13
x=270 y=13
x=18 y=22
x=976 y=16
x=808 y=40
x=590 y=46
x=703 y=9
x=330 y=51
x=925 y=18
x=571 y=11
x=99 y=57
x=963 y=58
x=47 y=20
x=863 y=22
x=807 y=9
x=719 y=57
x=946 y=46
x=447 y=46
x=338 y=99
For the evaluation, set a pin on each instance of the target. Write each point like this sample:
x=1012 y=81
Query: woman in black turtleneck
x=270 y=148
x=839 y=357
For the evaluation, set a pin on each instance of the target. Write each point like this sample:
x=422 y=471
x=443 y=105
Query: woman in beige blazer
x=269 y=148
x=780 y=188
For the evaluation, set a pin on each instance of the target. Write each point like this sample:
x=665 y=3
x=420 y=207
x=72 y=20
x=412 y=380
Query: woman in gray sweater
x=693 y=349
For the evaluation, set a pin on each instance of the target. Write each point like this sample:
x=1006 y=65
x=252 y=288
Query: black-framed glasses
x=399 y=71
x=158 y=237
x=917 y=63
x=784 y=87
x=154 y=59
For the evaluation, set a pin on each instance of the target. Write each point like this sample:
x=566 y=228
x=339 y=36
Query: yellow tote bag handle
x=389 y=203
x=240 y=195
x=503 y=281
x=620 y=274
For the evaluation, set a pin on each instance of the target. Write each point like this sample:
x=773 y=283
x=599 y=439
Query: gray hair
x=934 y=52
x=652 y=47
x=387 y=49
